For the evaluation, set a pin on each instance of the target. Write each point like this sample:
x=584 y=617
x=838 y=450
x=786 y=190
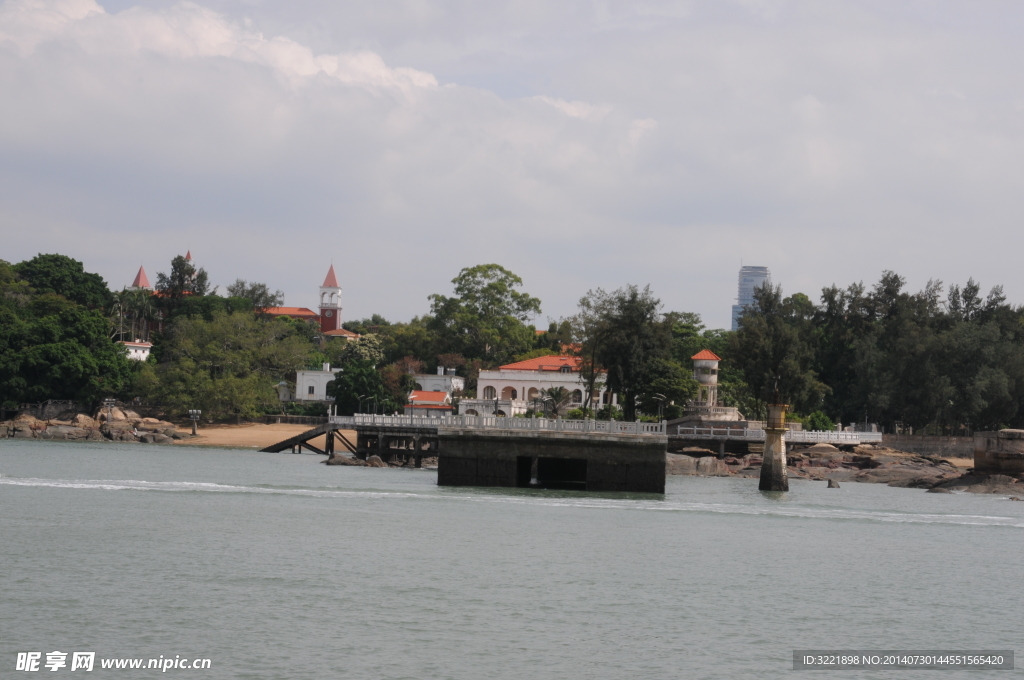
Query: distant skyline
x=578 y=144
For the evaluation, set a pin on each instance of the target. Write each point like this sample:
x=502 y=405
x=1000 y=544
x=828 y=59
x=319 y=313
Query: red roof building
x=422 y=403
x=329 y=315
x=705 y=355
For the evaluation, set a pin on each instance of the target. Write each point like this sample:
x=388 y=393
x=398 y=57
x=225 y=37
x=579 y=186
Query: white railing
x=794 y=436
x=500 y=423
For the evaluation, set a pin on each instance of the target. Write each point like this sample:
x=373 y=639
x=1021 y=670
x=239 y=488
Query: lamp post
x=109 y=405
x=194 y=415
x=360 y=398
x=661 y=405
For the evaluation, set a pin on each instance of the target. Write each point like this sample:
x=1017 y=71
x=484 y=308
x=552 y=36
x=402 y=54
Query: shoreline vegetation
x=871 y=464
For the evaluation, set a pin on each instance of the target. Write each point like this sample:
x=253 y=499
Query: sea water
x=275 y=566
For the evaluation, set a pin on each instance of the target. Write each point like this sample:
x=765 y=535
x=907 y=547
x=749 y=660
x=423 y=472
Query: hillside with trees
x=936 y=361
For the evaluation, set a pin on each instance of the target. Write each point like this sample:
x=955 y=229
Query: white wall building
x=444 y=381
x=312 y=385
x=516 y=386
x=138 y=350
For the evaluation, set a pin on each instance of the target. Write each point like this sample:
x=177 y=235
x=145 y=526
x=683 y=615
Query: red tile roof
x=446 y=407
x=141 y=280
x=550 y=363
x=706 y=355
x=342 y=333
x=423 y=398
x=297 y=312
x=331 y=281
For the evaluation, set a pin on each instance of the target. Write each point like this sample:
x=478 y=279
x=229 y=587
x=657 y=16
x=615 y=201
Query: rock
x=936 y=489
x=680 y=464
x=131 y=415
x=345 y=460
x=974 y=482
x=66 y=432
x=1016 y=498
x=430 y=461
x=818 y=449
x=375 y=461
x=710 y=466
x=82 y=420
x=833 y=484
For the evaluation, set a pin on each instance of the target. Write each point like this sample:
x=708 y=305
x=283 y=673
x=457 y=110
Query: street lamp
x=661 y=404
x=194 y=415
x=360 y=398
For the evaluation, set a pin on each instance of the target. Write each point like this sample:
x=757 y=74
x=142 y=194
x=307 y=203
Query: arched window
x=577 y=396
x=490 y=392
x=509 y=393
x=471 y=412
x=606 y=398
x=418 y=387
x=500 y=414
x=534 y=393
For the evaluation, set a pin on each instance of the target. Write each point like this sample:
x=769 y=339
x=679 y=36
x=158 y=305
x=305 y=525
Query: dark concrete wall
x=930 y=445
x=999 y=452
x=490 y=458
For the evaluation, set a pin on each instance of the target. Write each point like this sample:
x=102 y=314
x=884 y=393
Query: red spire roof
x=188 y=256
x=141 y=280
x=331 y=281
x=706 y=355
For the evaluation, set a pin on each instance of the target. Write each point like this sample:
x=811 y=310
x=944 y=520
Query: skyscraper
x=750 y=278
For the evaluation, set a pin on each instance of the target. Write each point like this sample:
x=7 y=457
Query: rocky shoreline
x=122 y=425
x=868 y=464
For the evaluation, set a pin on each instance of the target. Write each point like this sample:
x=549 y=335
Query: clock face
x=329 y=313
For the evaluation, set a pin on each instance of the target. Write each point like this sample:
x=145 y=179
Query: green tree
x=774 y=347
x=486 y=318
x=61 y=275
x=819 y=422
x=637 y=335
x=670 y=385
x=53 y=348
x=228 y=366
x=184 y=280
x=359 y=383
x=555 y=400
x=257 y=293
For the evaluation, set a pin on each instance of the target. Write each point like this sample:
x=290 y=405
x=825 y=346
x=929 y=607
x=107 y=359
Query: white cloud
x=578 y=143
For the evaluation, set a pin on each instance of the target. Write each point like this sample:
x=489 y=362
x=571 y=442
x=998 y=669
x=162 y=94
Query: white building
x=750 y=278
x=513 y=388
x=312 y=385
x=445 y=381
x=138 y=350
x=426 y=403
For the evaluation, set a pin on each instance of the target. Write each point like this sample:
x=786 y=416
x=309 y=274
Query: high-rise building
x=750 y=278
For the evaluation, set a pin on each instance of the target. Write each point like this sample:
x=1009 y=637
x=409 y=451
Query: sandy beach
x=251 y=435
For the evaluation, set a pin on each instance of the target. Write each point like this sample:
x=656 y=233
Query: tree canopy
x=61 y=275
x=486 y=317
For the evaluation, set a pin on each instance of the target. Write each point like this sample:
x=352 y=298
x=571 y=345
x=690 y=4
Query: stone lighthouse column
x=773 y=469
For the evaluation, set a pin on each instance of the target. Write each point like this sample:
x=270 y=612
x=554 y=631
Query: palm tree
x=140 y=308
x=117 y=309
x=556 y=399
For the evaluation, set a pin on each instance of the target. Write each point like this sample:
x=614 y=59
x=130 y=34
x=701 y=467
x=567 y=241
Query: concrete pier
x=559 y=460
x=773 y=469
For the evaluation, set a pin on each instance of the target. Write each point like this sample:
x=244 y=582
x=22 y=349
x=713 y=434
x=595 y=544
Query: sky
x=578 y=144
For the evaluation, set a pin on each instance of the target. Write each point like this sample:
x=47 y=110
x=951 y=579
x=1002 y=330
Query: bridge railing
x=794 y=436
x=502 y=423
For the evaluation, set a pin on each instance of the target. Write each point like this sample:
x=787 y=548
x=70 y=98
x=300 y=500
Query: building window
x=490 y=392
x=565 y=369
x=577 y=397
x=312 y=390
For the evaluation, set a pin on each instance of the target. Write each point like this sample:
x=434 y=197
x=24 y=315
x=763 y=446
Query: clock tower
x=330 y=303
